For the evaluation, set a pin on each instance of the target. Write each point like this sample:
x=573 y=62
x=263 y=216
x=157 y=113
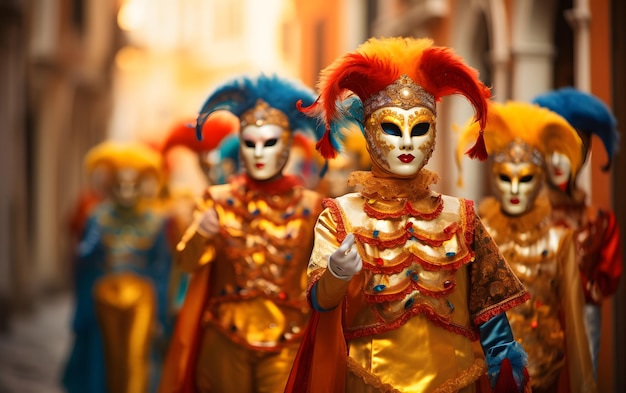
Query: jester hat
x=118 y=155
x=239 y=95
x=540 y=128
x=428 y=72
x=586 y=113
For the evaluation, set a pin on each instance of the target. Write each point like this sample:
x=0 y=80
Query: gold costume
x=542 y=256
x=431 y=274
x=125 y=305
x=255 y=304
x=550 y=326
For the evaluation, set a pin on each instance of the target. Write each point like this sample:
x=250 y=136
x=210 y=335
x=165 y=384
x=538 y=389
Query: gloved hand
x=345 y=262
x=505 y=357
x=209 y=224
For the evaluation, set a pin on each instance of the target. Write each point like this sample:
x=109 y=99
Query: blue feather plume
x=586 y=113
x=242 y=93
x=351 y=110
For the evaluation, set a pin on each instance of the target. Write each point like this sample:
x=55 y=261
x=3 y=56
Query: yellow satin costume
x=125 y=308
x=431 y=274
x=255 y=309
x=550 y=326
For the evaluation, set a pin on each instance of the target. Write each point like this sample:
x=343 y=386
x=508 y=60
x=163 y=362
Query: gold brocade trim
x=464 y=379
x=390 y=189
x=531 y=225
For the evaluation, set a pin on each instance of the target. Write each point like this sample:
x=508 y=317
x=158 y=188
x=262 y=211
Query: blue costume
x=121 y=280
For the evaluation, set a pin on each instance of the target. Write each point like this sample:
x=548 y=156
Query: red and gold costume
x=411 y=305
x=550 y=326
x=432 y=283
x=597 y=239
x=245 y=310
x=596 y=231
x=252 y=275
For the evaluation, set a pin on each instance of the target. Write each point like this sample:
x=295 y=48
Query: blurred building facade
x=76 y=72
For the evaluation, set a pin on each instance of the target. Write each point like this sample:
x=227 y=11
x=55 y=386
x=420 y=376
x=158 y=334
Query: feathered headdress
x=540 y=128
x=586 y=113
x=241 y=94
x=428 y=72
x=182 y=133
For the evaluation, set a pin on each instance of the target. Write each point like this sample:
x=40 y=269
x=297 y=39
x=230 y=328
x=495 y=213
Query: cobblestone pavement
x=34 y=350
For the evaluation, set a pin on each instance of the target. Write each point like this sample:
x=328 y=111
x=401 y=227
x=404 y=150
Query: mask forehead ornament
x=403 y=93
x=519 y=152
x=262 y=114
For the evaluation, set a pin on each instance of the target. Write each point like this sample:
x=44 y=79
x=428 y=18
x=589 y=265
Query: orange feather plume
x=380 y=62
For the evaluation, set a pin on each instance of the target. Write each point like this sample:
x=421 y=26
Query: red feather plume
x=445 y=74
x=353 y=72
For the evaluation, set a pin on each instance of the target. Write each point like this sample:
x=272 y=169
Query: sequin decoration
x=379 y=288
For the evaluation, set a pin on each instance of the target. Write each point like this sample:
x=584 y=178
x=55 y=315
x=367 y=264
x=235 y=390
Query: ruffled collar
x=412 y=189
x=525 y=228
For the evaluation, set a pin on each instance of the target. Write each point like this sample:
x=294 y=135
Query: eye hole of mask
x=391 y=129
x=420 y=129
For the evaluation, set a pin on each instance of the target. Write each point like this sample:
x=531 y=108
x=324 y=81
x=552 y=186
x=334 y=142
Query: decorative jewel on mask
x=262 y=114
x=403 y=93
x=517 y=152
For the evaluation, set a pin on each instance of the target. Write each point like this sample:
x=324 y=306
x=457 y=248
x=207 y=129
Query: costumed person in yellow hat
x=121 y=277
x=403 y=280
x=597 y=234
x=550 y=326
x=248 y=247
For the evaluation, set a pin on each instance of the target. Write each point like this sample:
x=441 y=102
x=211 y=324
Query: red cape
x=320 y=364
x=179 y=367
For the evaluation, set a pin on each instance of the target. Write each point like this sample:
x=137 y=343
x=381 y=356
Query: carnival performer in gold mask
x=121 y=278
x=550 y=326
x=248 y=247
x=597 y=233
x=403 y=280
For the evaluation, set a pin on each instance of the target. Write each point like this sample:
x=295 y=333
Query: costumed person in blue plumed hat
x=597 y=234
x=247 y=249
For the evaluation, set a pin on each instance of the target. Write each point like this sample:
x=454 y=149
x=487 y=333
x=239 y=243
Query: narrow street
x=34 y=350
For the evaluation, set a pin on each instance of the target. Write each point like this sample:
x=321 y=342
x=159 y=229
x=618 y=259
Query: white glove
x=209 y=224
x=345 y=262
